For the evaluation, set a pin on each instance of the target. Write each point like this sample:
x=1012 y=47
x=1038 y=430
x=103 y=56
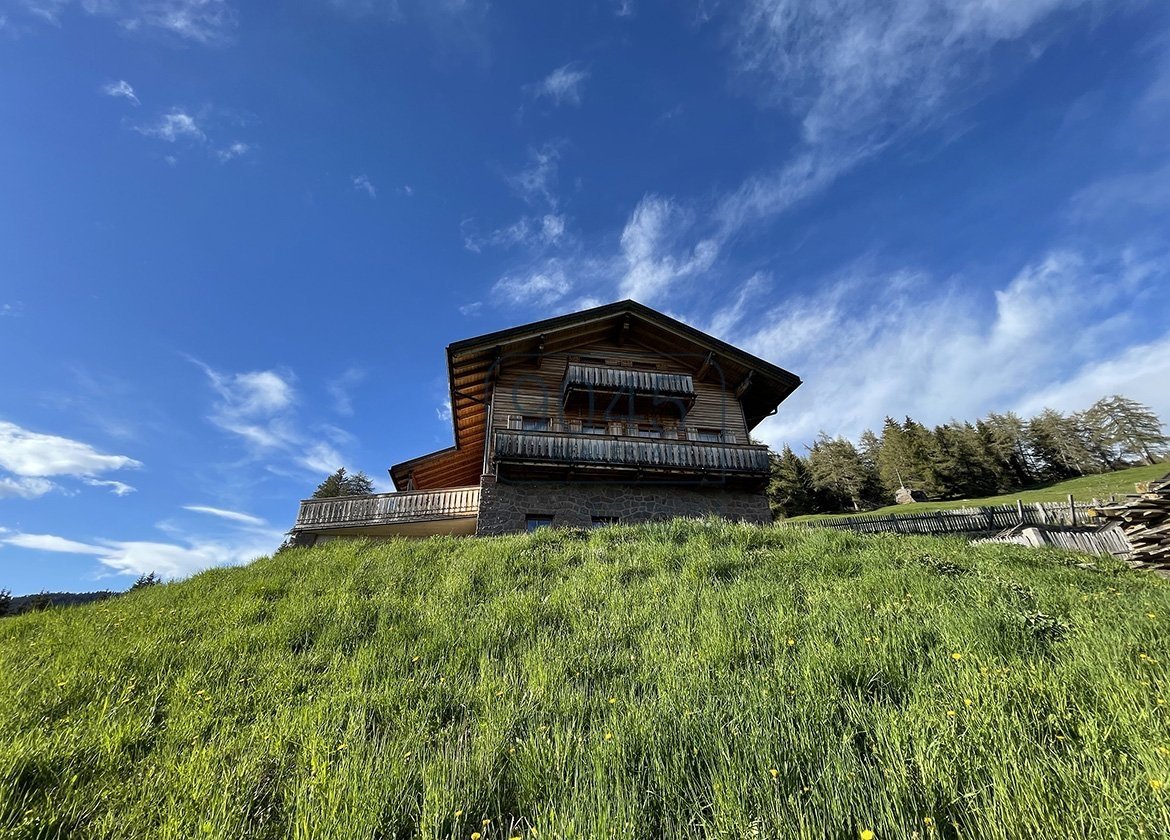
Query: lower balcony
x=623 y=458
x=416 y=513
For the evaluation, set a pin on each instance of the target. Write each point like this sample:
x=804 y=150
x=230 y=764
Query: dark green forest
x=999 y=453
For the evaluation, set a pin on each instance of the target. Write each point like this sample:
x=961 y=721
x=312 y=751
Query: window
x=538 y=520
x=709 y=435
x=535 y=424
x=602 y=521
x=649 y=431
x=588 y=428
x=643 y=366
x=592 y=360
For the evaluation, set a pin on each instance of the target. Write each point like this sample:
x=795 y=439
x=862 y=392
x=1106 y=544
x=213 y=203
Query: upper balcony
x=599 y=385
x=552 y=452
x=414 y=513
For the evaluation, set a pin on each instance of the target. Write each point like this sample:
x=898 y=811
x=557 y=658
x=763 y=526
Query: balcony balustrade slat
x=389 y=508
x=570 y=448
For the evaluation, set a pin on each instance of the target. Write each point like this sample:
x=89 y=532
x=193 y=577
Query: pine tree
x=341 y=483
x=904 y=457
x=790 y=490
x=836 y=468
x=1128 y=429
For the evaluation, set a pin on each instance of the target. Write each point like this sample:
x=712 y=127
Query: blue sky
x=234 y=241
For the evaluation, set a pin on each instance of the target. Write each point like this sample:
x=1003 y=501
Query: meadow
x=685 y=679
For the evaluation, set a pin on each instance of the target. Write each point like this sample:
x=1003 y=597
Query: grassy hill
x=676 y=680
x=1083 y=489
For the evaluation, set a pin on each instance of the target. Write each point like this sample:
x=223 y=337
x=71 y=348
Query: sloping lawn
x=690 y=679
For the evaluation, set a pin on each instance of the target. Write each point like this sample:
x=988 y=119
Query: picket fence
x=989 y=519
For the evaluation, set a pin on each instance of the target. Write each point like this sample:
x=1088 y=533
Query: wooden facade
x=618 y=393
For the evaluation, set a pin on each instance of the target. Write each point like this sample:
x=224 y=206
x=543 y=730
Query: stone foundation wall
x=503 y=508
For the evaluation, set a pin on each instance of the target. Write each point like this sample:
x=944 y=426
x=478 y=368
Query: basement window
x=537 y=520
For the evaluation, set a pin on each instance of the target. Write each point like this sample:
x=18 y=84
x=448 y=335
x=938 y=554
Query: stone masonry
x=504 y=507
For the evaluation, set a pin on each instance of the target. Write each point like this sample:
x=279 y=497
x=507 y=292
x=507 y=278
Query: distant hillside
x=44 y=600
x=676 y=680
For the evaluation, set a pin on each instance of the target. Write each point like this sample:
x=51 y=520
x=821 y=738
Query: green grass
x=675 y=680
x=1083 y=489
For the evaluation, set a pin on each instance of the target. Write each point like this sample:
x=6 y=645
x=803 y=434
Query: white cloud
x=233 y=151
x=854 y=67
x=174 y=125
x=654 y=259
x=209 y=22
x=443 y=412
x=48 y=542
x=118 y=488
x=11 y=310
x=361 y=183
x=24 y=488
x=169 y=560
x=624 y=8
x=538 y=288
x=257 y=407
x=407 y=190
x=341 y=387
x=32 y=454
x=469 y=309
x=562 y=85
x=536 y=182
x=527 y=231
x=934 y=350
x=230 y=515
x=121 y=89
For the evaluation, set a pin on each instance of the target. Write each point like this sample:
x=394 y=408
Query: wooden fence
x=1103 y=541
x=971 y=520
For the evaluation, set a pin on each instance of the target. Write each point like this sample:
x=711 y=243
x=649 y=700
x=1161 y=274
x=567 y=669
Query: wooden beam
x=744 y=385
x=706 y=366
x=540 y=351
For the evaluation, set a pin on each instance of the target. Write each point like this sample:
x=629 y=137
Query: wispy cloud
x=362 y=183
x=527 y=231
x=563 y=85
x=945 y=351
x=32 y=459
x=172 y=126
x=538 y=288
x=536 y=182
x=230 y=515
x=258 y=407
x=654 y=257
x=169 y=560
x=118 y=488
x=233 y=151
x=341 y=389
x=121 y=90
x=208 y=22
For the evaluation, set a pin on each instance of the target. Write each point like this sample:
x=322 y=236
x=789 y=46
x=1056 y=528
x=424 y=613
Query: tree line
x=998 y=453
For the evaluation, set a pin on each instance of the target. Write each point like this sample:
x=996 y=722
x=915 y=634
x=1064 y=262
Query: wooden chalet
x=614 y=414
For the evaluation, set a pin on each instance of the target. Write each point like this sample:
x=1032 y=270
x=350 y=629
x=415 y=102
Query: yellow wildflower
x=486 y=823
x=415 y=659
x=1156 y=784
x=1151 y=615
x=791 y=642
x=609 y=736
x=967 y=701
x=956 y=656
x=459 y=813
x=928 y=822
x=950 y=712
x=475 y=835
x=866 y=834
x=775 y=773
x=1163 y=751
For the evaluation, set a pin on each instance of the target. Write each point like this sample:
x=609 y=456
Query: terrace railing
x=387 y=508
x=583 y=450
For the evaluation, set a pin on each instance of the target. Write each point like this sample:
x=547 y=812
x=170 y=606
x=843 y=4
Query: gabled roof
x=473 y=363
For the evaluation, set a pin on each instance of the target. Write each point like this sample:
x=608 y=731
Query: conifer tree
x=341 y=483
x=790 y=489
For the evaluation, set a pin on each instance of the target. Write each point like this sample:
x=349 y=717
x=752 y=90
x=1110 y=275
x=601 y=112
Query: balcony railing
x=581 y=450
x=583 y=383
x=387 y=508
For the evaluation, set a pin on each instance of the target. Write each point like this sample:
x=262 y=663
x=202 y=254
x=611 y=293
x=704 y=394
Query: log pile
x=1144 y=519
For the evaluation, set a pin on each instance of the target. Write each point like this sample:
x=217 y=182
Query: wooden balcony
x=600 y=455
x=585 y=384
x=416 y=513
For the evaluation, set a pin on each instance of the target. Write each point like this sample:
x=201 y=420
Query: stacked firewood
x=1144 y=518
